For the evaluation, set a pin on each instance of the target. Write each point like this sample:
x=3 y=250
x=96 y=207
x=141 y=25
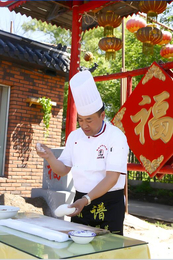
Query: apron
x=106 y=212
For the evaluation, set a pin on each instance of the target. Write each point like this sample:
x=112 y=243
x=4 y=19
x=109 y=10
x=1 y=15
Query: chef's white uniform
x=90 y=158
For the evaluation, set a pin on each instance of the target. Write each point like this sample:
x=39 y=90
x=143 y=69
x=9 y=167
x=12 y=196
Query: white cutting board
x=60 y=225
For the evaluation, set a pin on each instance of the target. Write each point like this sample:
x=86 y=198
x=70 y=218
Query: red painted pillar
x=129 y=86
x=71 y=117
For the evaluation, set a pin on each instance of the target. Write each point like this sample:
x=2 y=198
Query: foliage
x=144 y=187
x=57 y=34
x=167 y=16
x=144 y=191
x=109 y=90
x=46 y=108
x=143 y=176
x=134 y=59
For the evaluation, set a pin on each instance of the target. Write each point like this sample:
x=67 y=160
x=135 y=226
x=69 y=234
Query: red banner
x=146 y=118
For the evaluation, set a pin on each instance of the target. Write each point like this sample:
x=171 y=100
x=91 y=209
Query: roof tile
x=34 y=53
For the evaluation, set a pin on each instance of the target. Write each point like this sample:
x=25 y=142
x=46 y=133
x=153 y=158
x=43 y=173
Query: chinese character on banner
x=146 y=118
x=50 y=173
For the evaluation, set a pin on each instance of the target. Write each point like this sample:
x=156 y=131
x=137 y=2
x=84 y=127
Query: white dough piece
x=63 y=210
x=40 y=148
x=35 y=230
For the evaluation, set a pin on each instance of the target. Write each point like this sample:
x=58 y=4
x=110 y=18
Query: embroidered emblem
x=101 y=150
x=100 y=154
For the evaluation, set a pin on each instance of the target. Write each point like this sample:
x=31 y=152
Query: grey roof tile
x=23 y=50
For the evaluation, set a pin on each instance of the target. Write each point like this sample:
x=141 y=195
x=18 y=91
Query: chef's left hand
x=79 y=205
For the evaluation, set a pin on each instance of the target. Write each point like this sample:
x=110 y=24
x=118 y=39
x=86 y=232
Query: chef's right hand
x=79 y=205
x=46 y=154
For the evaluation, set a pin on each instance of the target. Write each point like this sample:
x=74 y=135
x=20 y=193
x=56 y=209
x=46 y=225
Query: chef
x=96 y=153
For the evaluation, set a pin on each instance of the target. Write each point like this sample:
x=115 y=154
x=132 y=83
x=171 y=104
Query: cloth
x=90 y=157
x=85 y=93
x=35 y=230
x=105 y=212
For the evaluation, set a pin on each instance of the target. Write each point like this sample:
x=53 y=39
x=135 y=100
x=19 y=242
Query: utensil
x=82 y=237
x=8 y=211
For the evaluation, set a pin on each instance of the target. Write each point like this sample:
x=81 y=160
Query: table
x=15 y=244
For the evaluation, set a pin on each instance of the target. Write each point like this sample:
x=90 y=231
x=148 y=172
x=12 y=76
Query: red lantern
x=109 y=20
x=88 y=56
x=167 y=37
x=167 y=51
x=110 y=45
x=134 y=24
x=150 y=36
x=152 y=8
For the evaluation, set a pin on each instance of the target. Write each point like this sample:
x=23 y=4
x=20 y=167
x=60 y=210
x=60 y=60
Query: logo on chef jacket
x=101 y=150
x=100 y=154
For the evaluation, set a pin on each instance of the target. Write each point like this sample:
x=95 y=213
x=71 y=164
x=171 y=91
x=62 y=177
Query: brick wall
x=23 y=167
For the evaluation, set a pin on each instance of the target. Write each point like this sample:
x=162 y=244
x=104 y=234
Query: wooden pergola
x=72 y=15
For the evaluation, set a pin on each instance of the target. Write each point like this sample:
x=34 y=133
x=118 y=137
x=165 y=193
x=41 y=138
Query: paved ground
x=160 y=240
x=150 y=210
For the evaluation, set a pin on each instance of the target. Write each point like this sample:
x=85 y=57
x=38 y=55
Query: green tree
x=134 y=58
x=57 y=34
x=167 y=16
x=110 y=90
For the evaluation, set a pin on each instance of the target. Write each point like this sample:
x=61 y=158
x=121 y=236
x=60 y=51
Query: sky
x=5 y=20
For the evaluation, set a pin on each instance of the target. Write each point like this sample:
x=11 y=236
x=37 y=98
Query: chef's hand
x=46 y=153
x=79 y=205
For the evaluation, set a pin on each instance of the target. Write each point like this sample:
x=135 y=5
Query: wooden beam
x=55 y=12
x=166 y=169
x=143 y=15
x=33 y=100
x=66 y=4
x=165 y=66
x=7 y=3
x=92 y=5
x=154 y=21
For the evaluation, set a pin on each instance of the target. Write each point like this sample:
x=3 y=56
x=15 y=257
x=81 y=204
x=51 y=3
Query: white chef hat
x=85 y=93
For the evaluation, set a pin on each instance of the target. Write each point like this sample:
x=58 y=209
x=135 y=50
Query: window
x=4 y=108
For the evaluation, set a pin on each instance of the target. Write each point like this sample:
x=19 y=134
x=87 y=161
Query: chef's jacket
x=90 y=157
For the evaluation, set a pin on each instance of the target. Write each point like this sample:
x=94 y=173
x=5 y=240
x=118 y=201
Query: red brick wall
x=23 y=167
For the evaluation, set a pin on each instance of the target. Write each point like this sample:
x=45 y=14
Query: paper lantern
x=167 y=37
x=134 y=24
x=88 y=56
x=110 y=45
x=109 y=20
x=152 y=8
x=167 y=51
x=150 y=36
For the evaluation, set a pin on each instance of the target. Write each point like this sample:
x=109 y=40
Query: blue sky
x=5 y=19
x=6 y=16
